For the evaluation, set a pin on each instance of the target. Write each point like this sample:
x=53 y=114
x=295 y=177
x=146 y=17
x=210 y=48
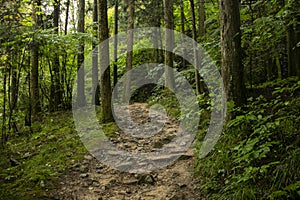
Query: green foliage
x=257 y=156
x=42 y=157
x=168 y=100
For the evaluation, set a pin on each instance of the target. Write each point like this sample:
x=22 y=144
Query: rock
x=128 y=191
x=148 y=179
x=88 y=157
x=42 y=184
x=95 y=184
x=140 y=148
x=91 y=188
x=182 y=185
x=99 y=166
x=83 y=175
x=84 y=184
x=103 y=187
x=85 y=162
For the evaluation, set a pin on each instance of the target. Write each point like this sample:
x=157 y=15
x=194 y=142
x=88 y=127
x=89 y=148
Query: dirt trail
x=92 y=180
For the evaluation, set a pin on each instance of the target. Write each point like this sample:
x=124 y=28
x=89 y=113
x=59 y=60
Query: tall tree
x=231 y=52
x=201 y=19
x=155 y=21
x=169 y=38
x=34 y=78
x=81 y=100
x=196 y=59
x=96 y=98
x=293 y=38
x=4 y=135
x=130 y=27
x=182 y=20
x=67 y=16
x=105 y=83
x=56 y=90
x=116 y=30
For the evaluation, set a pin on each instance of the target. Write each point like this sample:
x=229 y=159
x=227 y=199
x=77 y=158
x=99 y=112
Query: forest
x=140 y=99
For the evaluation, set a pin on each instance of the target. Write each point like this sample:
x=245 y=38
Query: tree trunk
x=34 y=78
x=67 y=16
x=293 y=38
x=290 y=50
x=4 y=135
x=96 y=87
x=297 y=36
x=81 y=100
x=105 y=83
x=182 y=19
x=56 y=85
x=129 y=55
x=201 y=19
x=116 y=31
x=231 y=52
x=169 y=38
x=156 y=37
x=197 y=77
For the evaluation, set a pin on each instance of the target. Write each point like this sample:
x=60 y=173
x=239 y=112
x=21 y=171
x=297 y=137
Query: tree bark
x=116 y=31
x=196 y=60
x=105 y=83
x=4 y=135
x=129 y=55
x=95 y=64
x=182 y=19
x=56 y=90
x=231 y=52
x=201 y=19
x=67 y=16
x=34 y=78
x=81 y=100
x=169 y=38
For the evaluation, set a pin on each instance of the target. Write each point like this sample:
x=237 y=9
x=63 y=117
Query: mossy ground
x=31 y=162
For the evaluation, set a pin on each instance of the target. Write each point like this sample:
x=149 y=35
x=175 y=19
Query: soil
x=92 y=180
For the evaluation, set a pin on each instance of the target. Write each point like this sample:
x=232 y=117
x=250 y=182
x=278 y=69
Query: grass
x=41 y=157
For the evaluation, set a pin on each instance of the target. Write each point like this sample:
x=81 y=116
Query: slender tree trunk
x=67 y=16
x=182 y=19
x=56 y=85
x=293 y=37
x=290 y=51
x=4 y=135
x=279 y=71
x=105 y=83
x=297 y=36
x=96 y=87
x=129 y=55
x=201 y=32
x=13 y=94
x=156 y=37
x=34 y=79
x=81 y=100
x=169 y=38
x=64 y=63
x=201 y=19
x=197 y=77
x=116 y=31
x=232 y=67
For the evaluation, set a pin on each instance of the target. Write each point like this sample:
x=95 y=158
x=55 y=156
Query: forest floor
x=90 y=179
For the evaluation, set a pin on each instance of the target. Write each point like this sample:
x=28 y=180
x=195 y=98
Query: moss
x=42 y=156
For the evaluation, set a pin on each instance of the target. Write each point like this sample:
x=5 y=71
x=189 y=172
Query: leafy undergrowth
x=258 y=155
x=31 y=162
